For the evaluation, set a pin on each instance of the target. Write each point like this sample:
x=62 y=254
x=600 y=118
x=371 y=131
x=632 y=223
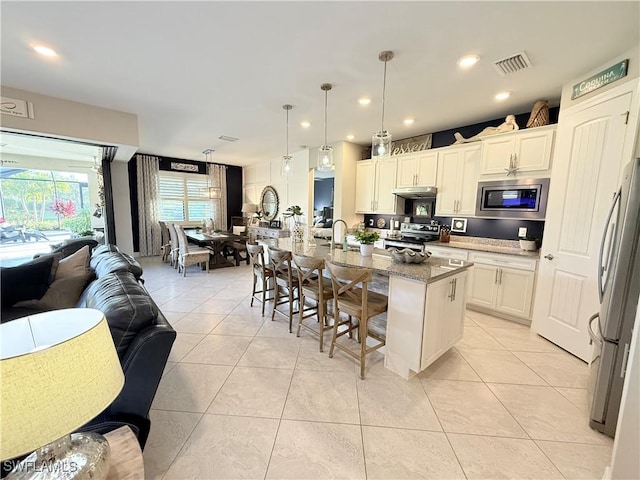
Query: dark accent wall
x=234 y=190
x=322 y=193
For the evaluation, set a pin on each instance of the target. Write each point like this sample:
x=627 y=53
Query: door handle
x=495 y=280
x=500 y=279
x=592 y=335
x=549 y=257
x=455 y=288
x=616 y=198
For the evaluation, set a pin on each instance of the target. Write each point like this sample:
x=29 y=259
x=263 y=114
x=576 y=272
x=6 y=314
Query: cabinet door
x=435 y=316
x=483 y=288
x=515 y=291
x=407 y=167
x=468 y=180
x=448 y=164
x=454 y=326
x=384 y=200
x=533 y=150
x=496 y=153
x=365 y=181
x=426 y=169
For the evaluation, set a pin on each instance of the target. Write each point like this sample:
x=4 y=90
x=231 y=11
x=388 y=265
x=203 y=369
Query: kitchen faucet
x=333 y=232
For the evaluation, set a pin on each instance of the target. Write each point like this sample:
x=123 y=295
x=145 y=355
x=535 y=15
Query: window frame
x=185 y=198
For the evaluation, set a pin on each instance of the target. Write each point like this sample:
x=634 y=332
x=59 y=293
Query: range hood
x=416 y=193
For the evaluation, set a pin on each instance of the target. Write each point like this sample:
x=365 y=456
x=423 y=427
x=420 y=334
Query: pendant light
x=381 y=140
x=287 y=163
x=325 y=153
x=214 y=192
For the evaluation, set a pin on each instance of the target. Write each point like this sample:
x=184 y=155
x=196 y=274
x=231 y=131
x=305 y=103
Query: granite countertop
x=489 y=245
x=429 y=271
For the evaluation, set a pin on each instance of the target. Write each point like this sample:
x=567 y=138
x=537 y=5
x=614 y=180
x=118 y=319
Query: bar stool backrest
x=256 y=257
x=310 y=273
x=280 y=261
x=349 y=284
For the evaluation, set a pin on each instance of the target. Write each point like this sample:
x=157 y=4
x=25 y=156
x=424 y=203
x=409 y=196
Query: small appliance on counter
x=414 y=236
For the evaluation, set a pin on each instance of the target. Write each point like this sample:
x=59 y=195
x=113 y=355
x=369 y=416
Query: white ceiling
x=192 y=71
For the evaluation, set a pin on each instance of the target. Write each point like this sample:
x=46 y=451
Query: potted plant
x=297 y=229
x=530 y=243
x=366 y=239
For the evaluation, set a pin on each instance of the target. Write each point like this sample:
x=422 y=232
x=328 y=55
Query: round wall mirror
x=269 y=203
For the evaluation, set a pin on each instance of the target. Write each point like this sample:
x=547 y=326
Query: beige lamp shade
x=58 y=370
x=249 y=208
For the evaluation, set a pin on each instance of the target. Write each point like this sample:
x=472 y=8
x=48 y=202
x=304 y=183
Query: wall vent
x=227 y=138
x=512 y=64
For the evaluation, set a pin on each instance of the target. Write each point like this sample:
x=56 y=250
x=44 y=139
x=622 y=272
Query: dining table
x=218 y=243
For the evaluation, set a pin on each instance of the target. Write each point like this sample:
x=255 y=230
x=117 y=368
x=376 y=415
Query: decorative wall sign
x=413 y=144
x=459 y=225
x=16 y=108
x=610 y=75
x=184 y=167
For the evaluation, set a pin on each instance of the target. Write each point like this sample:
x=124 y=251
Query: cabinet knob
x=549 y=257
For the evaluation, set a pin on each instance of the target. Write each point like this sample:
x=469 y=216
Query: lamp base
x=76 y=456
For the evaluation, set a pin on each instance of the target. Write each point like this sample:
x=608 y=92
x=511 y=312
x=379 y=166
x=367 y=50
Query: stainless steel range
x=414 y=236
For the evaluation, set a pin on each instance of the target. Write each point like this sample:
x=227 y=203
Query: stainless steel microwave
x=525 y=198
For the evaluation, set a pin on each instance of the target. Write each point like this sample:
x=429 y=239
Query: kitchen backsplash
x=502 y=229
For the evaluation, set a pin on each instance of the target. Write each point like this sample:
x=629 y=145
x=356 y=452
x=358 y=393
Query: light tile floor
x=243 y=398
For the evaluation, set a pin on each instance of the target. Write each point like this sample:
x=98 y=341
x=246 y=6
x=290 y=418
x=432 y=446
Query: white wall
x=625 y=463
x=55 y=117
x=122 y=206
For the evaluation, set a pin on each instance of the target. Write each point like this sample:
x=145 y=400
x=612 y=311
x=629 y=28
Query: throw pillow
x=75 y=264
x=63 y=293
x=28 y=281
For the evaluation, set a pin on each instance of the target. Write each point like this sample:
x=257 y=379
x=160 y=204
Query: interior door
x=587 y=166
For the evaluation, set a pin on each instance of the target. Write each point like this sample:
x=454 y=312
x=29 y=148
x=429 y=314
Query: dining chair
x=165 y=236
x=261 y=272
x=315 y=287
x=286 y=284
x=190 y=255
x=175 y=245
x=355 y=301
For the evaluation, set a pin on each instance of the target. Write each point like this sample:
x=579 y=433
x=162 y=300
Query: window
x=184 y=197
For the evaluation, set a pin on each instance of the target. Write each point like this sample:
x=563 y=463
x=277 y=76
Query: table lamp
x=249 y=208
x=59 y=370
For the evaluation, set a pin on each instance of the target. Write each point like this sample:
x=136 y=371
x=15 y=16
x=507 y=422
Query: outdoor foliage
x=62 y=208
x=79 y=223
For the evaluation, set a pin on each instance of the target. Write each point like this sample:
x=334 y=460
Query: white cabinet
x=458 y=180
x=522 y=152
x=375 y=180
x=502 y=283
x=423 y=321
x=417 y=170
x=444 y=317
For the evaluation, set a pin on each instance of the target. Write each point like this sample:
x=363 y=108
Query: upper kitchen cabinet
x=375 y=180
x=417 y=169
x=458 y=180
x=523 y=151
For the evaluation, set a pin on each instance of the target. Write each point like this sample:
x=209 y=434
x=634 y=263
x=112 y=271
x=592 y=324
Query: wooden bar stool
x=261 y=272
x=285 y=282
x=312 y=285
x=356 y=302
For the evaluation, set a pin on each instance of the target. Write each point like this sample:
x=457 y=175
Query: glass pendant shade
x=287 y=165
x=325 y=158
x=381 y=144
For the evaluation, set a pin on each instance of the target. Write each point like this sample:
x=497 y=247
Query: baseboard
x=488 y=311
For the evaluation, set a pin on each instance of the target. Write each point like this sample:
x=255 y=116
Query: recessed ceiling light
x=502 y=95
x=350 y=137
x=468 y=61
x=408 y=121
x=46 y=51
x=305 y=124
x=364 y=101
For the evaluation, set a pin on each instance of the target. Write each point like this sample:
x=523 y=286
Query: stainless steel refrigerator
x=619 y=288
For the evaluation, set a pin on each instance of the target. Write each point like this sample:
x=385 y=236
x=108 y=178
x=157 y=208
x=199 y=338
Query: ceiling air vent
x=227 y=138
x=512 y=64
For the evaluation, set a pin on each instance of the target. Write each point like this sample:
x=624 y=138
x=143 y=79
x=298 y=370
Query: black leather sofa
x=142 y=335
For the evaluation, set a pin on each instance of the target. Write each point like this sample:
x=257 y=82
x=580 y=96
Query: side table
x=126 y=456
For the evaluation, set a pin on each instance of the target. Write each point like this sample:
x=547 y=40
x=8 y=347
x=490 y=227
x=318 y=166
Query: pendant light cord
x=384 y=88
x=287 y=133
x=325 y=117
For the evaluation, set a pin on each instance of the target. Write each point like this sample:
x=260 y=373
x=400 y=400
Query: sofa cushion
x=126 y=304
x=71 y=278
x=99 y=250
x=110 y=262
x=27 y=281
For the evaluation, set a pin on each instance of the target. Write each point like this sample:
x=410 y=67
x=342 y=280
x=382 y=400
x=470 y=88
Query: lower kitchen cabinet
x=503 y=284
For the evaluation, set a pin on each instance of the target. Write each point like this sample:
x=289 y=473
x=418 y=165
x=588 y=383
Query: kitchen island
x=425 y=316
